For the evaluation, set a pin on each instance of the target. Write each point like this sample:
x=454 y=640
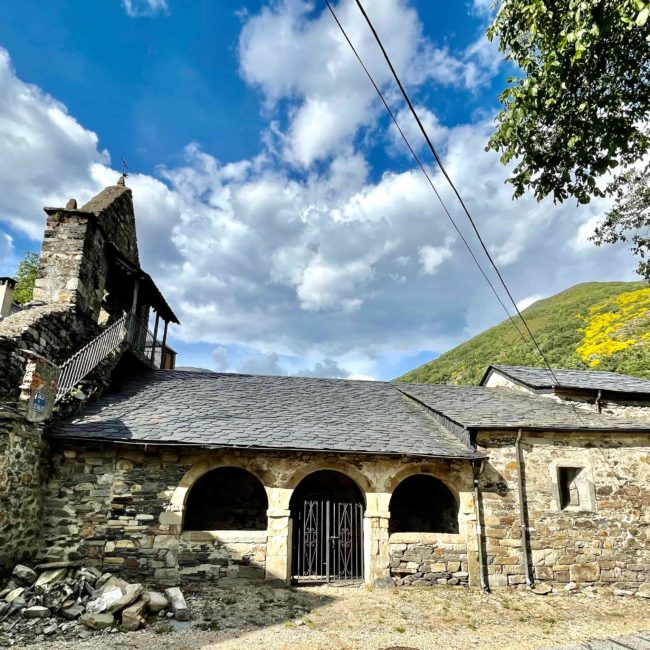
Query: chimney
x=6 y=295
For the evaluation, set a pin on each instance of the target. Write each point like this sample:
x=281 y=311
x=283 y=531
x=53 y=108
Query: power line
x=451 y=183
x=426 y=174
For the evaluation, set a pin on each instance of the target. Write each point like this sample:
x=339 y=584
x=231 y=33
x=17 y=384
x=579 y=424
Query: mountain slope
x=598 y=325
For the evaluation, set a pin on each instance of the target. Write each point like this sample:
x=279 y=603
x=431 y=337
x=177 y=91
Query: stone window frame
x=584 y=483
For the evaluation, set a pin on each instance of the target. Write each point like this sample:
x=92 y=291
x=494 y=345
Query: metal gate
x=328 y=541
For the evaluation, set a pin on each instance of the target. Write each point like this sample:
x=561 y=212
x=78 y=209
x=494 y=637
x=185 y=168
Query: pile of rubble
x=69 y=600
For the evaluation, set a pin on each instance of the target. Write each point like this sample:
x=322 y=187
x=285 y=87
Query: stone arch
x=226 y=498
x=429 y=470
x=423 y=503
x=361 y=480
x=175 y=511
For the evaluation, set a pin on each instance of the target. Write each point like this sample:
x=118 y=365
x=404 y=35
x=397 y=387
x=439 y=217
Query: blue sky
x=275 y=205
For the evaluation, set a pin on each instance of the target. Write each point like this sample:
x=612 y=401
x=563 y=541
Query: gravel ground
x=347 y=618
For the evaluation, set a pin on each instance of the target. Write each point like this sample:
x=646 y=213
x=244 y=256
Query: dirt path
x=352 y=618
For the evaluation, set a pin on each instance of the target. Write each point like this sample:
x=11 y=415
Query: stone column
x=375 y=535
x=278 y=546
x=467 y=528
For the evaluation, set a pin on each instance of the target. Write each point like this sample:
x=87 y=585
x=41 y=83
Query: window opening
x=423 y=504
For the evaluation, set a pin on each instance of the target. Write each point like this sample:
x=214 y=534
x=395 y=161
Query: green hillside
x=596 y=325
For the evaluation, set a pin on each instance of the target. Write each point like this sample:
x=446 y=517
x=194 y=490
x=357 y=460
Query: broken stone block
x=102 y=603
x=50 y=629
x=36 y=611
x=133 y=616
x=156 y=601
x=109 y=585
x=542 y=589
x=72 y=612
x=23 y=574
x=179 y=607
x=13 y=594
x=96 y=621
x=129 y=595
x=48 y=578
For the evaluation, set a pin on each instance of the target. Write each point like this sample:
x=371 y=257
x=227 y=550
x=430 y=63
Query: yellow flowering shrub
x=613 y=326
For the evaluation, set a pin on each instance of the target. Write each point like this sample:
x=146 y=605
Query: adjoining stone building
x=174 y=476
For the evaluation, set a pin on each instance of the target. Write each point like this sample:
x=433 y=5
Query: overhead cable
x=441 y=165
x=426 y=174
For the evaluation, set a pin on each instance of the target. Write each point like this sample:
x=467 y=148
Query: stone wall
x=428 y=559
x=21 y=480
x=75 y=256
x=216 y=554
x=50 y=331
x=604 y=541
x=121 y=508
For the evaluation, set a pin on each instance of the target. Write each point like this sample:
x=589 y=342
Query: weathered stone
x=156 y=601
x=106 y=600
x=49 y=578
x=72 y=612
x=542 y=589
x=129 y=595
x=644 y=590
x=584 y=572
x=37 y=611
x=97 y=621
x=179 y=606
x=14 y=593
x=133 y=616
x=24 y=575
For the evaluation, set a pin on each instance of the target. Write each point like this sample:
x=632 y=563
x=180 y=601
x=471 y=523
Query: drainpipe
x=522 y=511
x=477 y=468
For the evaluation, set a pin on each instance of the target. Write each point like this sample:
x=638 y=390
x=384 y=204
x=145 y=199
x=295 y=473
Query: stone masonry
x=605 y=542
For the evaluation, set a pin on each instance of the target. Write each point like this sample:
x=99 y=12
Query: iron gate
x=328 y=541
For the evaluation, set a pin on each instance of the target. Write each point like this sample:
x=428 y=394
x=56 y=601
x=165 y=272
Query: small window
x=568 y=479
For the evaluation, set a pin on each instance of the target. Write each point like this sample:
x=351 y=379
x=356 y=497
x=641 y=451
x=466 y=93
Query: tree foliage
x=577 y=115
x=629 y=220
x=26 y=277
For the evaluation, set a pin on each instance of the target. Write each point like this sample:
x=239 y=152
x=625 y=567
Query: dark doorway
x=227 y=498
x=327 y=510
x=423 y=504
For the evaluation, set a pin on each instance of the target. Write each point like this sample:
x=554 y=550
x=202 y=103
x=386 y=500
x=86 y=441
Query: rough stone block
x=179 y=606
x=37 y=611
x=584 y=572
x=96 y=621
x=133 y=616
x=24 y=575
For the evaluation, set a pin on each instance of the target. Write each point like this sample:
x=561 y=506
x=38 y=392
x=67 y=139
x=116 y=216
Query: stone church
x=112 y=457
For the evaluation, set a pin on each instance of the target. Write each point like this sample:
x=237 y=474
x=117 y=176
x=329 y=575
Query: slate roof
x=225 y=410
x=540 y=379
x=476 y=407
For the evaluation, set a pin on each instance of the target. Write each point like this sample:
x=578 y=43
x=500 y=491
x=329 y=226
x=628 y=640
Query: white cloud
x=141 y=8
x=46 y=153
x=324 y=271
x=524 y=303
x=8 y=259
x=313 y=68
x=431 y=257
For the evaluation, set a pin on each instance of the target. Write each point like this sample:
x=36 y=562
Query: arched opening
x=227 y=498
x=423 y=504
x=327 y=510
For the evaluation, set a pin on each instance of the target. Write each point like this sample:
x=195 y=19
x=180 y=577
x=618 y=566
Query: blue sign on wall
x=39 y=402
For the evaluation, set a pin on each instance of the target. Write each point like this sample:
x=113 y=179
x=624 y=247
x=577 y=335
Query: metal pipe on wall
x=476 y=470
x=522 y=510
